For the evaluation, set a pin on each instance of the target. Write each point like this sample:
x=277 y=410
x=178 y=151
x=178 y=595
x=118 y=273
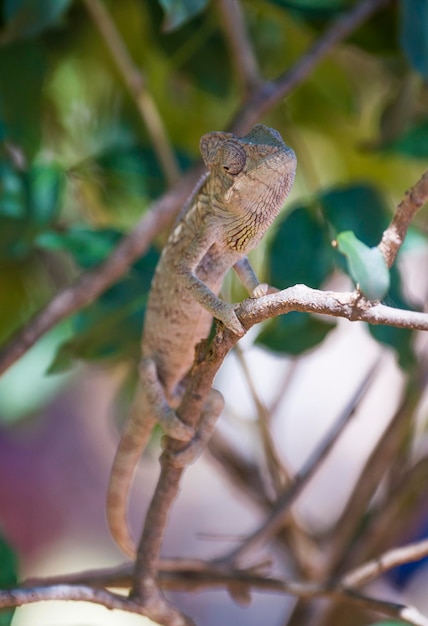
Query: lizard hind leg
x=149 y=406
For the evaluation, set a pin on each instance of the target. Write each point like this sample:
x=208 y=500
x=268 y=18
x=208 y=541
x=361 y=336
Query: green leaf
x=413 y=142
x=314 y=8
x=26 y=18
x=29 y=202
x=111 y=327
x=299 y=251
x=87 y=246
x=359 y=208
x=8 y=577
x=294 y=333
x=414 y=33
x=366 y=265
x=178 y=12
x=130 y=171
x=46 y=186
x=21 y=98
x=12 y=192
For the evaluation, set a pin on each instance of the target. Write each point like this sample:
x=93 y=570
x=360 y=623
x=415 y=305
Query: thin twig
x=373 y=569
x=285 y=386
x=136 y=86
x=402 y=612
x=278 y=473
x=369 y=479
x=212 y=578
x=241 y=50
x=395 y=234
x=276 y=518
x=270 y=94
x=395 y=517
x=243 y=472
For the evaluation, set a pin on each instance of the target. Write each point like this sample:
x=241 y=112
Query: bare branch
x=279 y=512
x=242 y=55
x=278 y=473
x=395 y=234
x=135 y=84
x=270 y=94
x=19 y=597
x=369 y=479
x=401 y=612
x=212 y=577
x=396 y=514
x=349 y=305
x=374 y=568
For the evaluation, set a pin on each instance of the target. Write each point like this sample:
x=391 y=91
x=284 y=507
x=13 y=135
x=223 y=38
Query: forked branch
x=92 y=284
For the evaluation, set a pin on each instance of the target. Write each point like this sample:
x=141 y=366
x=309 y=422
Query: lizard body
x=248 y=181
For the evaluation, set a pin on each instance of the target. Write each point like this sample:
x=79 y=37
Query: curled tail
x=133 y=441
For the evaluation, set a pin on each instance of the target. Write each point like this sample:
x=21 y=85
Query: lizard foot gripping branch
x=248 y=181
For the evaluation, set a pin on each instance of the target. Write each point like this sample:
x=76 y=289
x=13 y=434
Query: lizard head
x=250 y=179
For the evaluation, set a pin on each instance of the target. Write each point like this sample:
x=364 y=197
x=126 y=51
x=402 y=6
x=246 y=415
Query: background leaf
x=111 y=327
x=21 y=100
x=299 y=252
x=356 y=207
x=177 y=12
x=366 y=265
x=414 y=33
x=26 y=18
x=8 y=577
x=413 y=142
x=294 y=333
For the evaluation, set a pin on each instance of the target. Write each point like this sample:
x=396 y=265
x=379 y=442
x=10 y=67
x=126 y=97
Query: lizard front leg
x=221 y=310
x=249 y=279
x=186 y=272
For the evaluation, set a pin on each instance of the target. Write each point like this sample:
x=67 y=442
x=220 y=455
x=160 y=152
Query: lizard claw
x=260 y=290
x=231 y=321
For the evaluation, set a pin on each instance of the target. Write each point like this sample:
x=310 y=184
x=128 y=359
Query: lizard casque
x=248 y=181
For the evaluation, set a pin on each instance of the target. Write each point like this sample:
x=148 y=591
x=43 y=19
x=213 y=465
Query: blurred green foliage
x=8 y=577
x=77 y=168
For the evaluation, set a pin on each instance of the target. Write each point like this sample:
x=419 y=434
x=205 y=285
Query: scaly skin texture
x=249 y=179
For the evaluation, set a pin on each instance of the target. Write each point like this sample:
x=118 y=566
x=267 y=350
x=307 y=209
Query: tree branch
x=136 y=86
x=92 y=284
x=279 y=512
x=269 y=94
x=395 y=517
x=209 y=576
x=349 y=305
x=395 y=234
x=241 y=51
x=369 y=479
x=392 y=558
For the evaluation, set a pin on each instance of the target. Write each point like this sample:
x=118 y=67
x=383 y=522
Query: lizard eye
x=233 y=158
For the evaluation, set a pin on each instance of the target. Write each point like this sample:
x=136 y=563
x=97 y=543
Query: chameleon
x=234 y=204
